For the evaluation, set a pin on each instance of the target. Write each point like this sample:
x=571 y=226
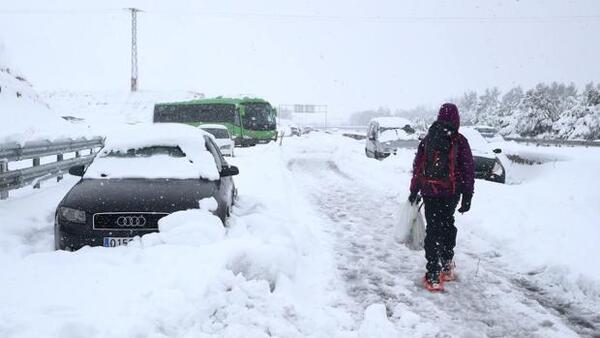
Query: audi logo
x=131 y=221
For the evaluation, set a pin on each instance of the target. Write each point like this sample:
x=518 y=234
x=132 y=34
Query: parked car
x=141 y=175
x=295 y=131
x=486 y=131
x=489 y=163
x=222 y=137
x=386 y=134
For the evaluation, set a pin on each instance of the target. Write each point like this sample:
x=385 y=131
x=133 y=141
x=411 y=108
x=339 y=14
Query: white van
x=386 y=134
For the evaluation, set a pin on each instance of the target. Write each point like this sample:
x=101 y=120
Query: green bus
x=249 y=120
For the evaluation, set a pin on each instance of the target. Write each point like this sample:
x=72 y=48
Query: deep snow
x=504 y=262
x=24 y=114
x=310 y=251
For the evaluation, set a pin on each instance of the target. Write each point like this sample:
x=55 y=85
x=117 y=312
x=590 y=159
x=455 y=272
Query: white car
x=386 y=134
x=222 y=137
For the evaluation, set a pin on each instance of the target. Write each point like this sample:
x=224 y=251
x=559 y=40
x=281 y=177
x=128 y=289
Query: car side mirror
x=77 y=170
x=229 y=171
x=497 y=151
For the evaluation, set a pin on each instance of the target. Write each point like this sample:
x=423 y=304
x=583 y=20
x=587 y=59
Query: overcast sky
x=348 y=54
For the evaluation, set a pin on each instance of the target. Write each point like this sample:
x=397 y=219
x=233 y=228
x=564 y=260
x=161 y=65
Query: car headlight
x=497 y=169
x=72 y=215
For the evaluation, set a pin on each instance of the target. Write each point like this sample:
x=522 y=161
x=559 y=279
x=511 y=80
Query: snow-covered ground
x=24 y=114
x=309 y=251
x=102 y=110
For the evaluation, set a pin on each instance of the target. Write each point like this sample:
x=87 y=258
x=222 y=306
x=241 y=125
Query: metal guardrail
x=12 y=152
x=554 y=142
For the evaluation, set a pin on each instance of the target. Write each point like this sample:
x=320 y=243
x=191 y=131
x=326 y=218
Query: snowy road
x=488 y=300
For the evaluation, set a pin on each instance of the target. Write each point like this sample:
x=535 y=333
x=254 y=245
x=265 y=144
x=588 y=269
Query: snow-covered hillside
x=24 y=115
x=105 y=109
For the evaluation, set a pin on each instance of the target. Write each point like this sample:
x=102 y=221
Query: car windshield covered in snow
x=172 y=151
x=395 y=133
x=147 y=152
x=477 y=142
x=217 y=132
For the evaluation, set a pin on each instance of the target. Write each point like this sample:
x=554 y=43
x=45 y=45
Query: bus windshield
x=258 y=116
x=192 y=113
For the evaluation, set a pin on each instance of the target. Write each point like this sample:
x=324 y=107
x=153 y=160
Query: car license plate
x=111 y=242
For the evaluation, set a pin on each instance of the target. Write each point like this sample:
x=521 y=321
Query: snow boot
x=449 y=272
x=433 y=282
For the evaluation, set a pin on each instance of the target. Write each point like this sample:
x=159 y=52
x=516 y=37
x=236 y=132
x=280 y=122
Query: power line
x=328 y=18
x=384 y=19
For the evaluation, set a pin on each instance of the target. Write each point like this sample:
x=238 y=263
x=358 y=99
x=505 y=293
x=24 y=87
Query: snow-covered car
x=486 y=131
x=141 y=175
x=295 y=131
x=386 y=134
x=222 y=137
x=489 y=163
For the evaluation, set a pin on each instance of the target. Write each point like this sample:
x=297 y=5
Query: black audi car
x=137 y=180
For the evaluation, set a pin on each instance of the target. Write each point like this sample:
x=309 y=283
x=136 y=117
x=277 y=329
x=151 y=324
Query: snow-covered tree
x=467 y=105
x=488 y=105
x=555 y=110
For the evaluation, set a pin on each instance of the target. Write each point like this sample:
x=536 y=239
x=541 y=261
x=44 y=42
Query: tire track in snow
x=379 y=270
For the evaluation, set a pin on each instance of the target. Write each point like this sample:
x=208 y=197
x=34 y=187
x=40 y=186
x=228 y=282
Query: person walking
x=443 y=171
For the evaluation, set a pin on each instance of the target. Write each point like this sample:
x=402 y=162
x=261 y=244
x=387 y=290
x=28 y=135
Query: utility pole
x=134 y=65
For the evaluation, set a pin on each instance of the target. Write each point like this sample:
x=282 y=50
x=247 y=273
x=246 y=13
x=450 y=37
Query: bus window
x=258 y=116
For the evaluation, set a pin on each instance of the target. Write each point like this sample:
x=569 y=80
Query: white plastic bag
x=410 y=228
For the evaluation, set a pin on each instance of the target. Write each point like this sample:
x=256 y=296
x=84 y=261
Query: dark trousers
x=440 y=237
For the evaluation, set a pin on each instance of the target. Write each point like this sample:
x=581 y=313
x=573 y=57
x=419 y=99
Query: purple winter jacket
x=464 y=171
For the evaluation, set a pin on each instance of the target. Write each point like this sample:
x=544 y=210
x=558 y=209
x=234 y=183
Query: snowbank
x=24 y=115
x=102 y=110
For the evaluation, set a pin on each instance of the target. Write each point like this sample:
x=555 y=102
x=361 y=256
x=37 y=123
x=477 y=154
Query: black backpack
x=440 y=155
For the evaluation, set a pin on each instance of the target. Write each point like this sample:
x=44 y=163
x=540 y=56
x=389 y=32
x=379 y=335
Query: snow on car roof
x=477 y=142
x=212 y=126
x=392 y=122
x=198 y=162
